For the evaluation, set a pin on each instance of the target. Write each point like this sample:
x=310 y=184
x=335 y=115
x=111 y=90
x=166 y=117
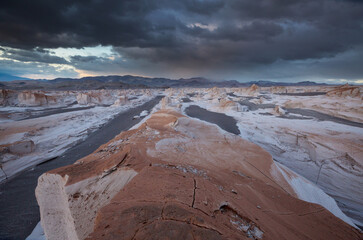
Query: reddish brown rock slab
x=346 y=90
x=166 y=203
x=179 y=178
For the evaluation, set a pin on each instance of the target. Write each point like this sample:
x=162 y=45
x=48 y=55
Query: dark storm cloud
x=51 y=24
x=256 y=30
x=203 y=7
x=85 y=59
x=190 y=34
x=94 y=63
x=33 y=55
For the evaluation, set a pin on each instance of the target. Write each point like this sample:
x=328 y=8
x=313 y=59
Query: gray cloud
x=34 y=69
x=33 y=55
x=191 y=36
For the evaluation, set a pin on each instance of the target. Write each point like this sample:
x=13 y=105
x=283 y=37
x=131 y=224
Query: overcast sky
x=278 y=40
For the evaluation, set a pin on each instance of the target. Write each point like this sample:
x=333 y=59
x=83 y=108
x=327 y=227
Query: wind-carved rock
x=178 y=178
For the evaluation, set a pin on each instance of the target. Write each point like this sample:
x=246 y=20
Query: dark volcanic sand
x=186 y=100
x=306 y=113
x=303 y=94
x=56 y=111
x=323 y=117
x=253 y=107
x=19 y=211
x=29 y=114
x=231 y=94
x=225 y=122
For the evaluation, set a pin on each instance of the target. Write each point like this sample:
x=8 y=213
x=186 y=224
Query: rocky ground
x=326 y=149
x=178 y=176
x=37 y=126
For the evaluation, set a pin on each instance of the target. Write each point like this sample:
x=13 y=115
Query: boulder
x=226 y=105
x=100 y=97
x=83 y=99
x=165 y=102
x=253 y=90
x=121 y=101
x=19 y=147
x=279 y=111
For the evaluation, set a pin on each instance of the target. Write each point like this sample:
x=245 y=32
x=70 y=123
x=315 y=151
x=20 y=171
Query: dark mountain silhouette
x=128 y=81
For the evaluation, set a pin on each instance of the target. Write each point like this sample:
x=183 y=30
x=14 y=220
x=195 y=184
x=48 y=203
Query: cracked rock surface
x=178 y=178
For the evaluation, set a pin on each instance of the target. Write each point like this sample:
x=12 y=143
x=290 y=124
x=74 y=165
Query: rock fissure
x=194 y=190
x=114 y=168
x=308 y=213
x=268 y=177
x=194 y=224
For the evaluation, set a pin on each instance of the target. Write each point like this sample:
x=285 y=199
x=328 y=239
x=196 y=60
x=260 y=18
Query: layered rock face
x=95 y=97
x=346 y=91
x=278 y=89
x=29 y=98
x=7 y=96
x=35 y=98
x=179 y=178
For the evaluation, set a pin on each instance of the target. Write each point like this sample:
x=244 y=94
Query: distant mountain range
x=7 y=77
x=128 y=81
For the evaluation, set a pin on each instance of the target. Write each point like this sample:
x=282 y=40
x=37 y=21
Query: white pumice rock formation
x=179 y=178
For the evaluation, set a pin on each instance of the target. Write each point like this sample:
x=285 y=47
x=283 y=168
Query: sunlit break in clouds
x=278 y=40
